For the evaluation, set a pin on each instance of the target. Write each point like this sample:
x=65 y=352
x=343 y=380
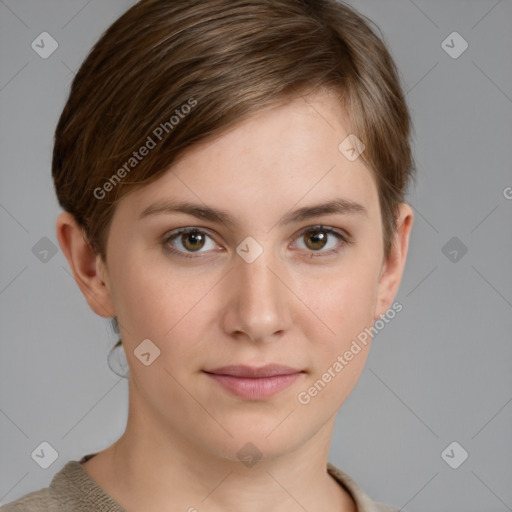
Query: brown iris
x=318 y=239
x=193 y=240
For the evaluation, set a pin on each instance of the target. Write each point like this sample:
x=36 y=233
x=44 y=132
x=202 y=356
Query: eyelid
x=343 y=237
x=322 y=227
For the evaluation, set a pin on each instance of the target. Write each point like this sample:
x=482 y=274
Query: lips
x=269 y=370
x=253 y=383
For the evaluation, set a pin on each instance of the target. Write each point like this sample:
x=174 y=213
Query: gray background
x=439 y=372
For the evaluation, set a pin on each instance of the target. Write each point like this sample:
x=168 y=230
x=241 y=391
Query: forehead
x=279 y=157
x=291 y=130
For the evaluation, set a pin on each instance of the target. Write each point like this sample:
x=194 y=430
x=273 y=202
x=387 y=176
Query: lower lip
x=255 y=388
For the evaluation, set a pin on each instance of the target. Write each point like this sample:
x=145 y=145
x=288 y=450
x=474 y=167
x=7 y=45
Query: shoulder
x=70 y=489
x=36 y=501
x=363 y=501
x=65 y=492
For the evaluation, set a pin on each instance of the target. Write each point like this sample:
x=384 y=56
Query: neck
x=154 y=469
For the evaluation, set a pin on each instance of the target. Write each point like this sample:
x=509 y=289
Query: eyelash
x=345 y=240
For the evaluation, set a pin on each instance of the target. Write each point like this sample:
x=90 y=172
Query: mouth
x=253 y=383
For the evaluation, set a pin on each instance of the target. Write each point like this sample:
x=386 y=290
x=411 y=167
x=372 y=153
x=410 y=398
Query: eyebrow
x=335 y=206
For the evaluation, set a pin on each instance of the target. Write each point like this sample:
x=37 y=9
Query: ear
x=88 y=268
x=393 y=266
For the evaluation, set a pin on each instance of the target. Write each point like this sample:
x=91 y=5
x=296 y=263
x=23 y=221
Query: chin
x=259 y=440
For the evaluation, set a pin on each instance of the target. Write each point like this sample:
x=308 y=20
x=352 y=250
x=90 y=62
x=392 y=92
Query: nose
x=259 y=301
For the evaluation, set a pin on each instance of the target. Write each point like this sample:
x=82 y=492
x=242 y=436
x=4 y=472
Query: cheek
x=344 y=301
x=339 y=354
x=152 y=298
x=161 y=306
x=161 y=302
x=174 y=309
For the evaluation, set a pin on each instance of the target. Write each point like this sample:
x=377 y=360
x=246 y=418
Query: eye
x=186 y=241
x=317 y=240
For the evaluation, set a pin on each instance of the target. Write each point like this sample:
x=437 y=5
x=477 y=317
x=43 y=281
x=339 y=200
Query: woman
x=232 y=175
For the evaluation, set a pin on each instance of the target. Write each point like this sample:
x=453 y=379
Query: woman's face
x=258 y=282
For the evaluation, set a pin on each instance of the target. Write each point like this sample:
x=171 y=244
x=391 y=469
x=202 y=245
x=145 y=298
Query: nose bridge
x=259 y=283
x=261 y=299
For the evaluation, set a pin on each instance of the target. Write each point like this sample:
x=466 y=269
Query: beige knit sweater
x=73 y=490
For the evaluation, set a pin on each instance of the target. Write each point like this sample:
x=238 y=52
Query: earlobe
x=85 y=265
x=392 y=269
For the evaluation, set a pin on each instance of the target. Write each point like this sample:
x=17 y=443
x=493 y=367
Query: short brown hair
x=223 y=60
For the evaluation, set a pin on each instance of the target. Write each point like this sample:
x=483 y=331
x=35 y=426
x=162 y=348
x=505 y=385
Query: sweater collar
x=87 y=490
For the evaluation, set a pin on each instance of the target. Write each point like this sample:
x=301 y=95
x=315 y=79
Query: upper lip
x=269 y=370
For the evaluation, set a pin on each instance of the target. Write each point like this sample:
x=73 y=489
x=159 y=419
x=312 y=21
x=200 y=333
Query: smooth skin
x=300 y=303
